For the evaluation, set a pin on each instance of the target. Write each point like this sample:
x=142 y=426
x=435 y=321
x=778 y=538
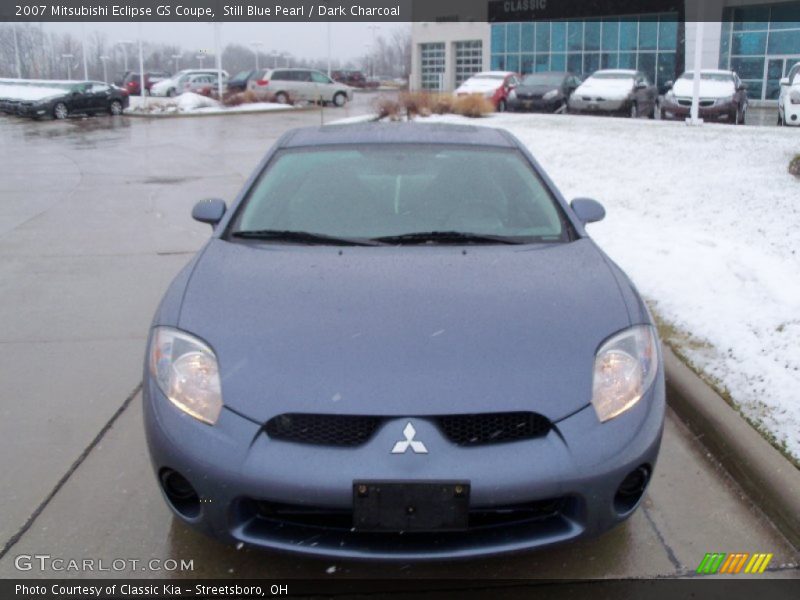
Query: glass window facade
x=431 y=71
x=761 y=43
x=645 y=42
x=469 y=59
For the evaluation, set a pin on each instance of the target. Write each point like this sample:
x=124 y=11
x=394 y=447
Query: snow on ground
x=706 y=221
x=189 y=102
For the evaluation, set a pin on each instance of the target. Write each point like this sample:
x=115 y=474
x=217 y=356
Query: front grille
x=323 y=430
x=354 y=430
x=493 y=428
x=688 y=102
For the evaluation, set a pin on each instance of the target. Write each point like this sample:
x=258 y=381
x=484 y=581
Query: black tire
x=501 y=106
x=741 y=120
x=60 y=111
x=115 y=108
x=171 y=92
x=780 y=121
x=281 y=98
x=339 y=99
x=634 y=111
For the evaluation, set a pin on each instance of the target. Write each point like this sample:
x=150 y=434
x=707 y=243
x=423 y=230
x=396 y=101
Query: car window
x=301 y=76
x=384 y=190
x=281 y=75
x=319 y=77
x=99 y=88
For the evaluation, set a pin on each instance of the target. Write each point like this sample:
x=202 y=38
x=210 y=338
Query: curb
x=770 y=480
x=184 y=115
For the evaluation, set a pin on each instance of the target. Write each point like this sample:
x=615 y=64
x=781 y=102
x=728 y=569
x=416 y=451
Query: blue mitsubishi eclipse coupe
x=400 y=343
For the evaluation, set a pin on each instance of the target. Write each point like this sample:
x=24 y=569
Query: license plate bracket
x=410 y=506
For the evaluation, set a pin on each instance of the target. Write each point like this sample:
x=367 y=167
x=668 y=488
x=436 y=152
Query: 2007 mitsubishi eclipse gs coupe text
x=400 y=343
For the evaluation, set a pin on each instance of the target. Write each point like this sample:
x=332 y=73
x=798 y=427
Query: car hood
x=403 y=331
x=479 y=86
x=708 y=89
x=607 y=87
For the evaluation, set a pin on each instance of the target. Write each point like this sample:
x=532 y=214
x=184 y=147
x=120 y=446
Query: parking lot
x=94 y=223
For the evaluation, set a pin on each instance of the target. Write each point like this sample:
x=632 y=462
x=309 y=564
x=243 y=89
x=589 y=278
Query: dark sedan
x=401 y=343
x=722 y=97
x=547 y=92
x=86 y=97
x=238 y=83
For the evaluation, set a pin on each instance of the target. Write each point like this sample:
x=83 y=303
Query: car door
x=79 y=98
x=99 y=97
x=304 y=88
x=323 y=87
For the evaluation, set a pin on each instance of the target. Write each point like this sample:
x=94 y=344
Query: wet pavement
x=94 y=223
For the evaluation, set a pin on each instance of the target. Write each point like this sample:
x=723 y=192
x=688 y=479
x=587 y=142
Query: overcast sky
x=306 y=40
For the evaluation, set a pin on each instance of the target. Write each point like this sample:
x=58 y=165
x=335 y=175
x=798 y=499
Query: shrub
x=416 y=104
x=794 y=166
x=442 y=104
x=473 y=105
x=386 y=107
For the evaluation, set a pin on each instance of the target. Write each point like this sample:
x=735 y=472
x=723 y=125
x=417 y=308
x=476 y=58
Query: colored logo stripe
x=720 y=562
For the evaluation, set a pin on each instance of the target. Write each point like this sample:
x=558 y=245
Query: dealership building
x=760 y=40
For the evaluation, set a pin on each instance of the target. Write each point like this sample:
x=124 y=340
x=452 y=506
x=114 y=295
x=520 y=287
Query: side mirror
x=669 y=84
x=640 y=86
x=209 y=211
x=588 y=210
x=785 y=81
x=742 y=87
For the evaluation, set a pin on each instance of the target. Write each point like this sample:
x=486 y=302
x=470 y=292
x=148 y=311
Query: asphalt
x=94 y=223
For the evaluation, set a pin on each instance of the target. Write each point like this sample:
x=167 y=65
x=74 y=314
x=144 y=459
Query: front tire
x=171 y=93
x=501 y=106
x=115 y=108
x=634 y=112
x=60 y=111
x=339 y=99
x=741 y=116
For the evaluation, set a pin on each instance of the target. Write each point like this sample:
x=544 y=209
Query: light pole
x=124 y=44
x=105 y=60
x=16 y=51
x=176 y=58
x=256 y=45
x=201 y=57
x=374 y=28
x=68 y=57
x=275 y=56
x=83 y=52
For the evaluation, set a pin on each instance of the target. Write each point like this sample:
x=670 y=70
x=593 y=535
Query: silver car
x=299 y=85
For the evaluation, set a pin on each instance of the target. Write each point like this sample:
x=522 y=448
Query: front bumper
x=791 y=114
x=234 y=462
x=535 y=104
x=595 y=105
x=716 y=112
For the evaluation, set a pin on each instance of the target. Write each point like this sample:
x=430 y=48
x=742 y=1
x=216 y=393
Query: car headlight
x=489 y=94
x=186 y=371
x=725 y=100
x=794 y=96
x=624 y=369
x=670 y=96
x=550 y=95
x=512 y=95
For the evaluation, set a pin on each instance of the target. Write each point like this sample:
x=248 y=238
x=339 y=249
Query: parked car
x=174 y=85
x=238 y=83
x=132 y=81
x=789 y=99
x=292 y=85
x=723 y=97
x=423 y=339
x=615 y=91
x=494 y=85
x=350 y=77
x=62 y=100
x=202 y=83
x=544 y=91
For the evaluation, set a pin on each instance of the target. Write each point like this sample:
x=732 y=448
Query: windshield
x=488 y=76
x=543 y=79
x=366 y=192
x=725 y=77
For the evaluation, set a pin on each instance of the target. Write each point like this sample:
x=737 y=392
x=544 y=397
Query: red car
x=132 y=81
x=494 y=85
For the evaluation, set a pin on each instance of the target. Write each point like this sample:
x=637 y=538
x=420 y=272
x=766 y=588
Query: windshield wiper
x=302 y=237
x=446 y=237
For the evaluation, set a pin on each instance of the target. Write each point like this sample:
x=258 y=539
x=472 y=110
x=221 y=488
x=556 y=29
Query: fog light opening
x=179 y=492
x=631 y=489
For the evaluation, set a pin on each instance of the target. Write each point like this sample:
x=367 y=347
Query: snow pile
x=705 y=221
x=191 y=103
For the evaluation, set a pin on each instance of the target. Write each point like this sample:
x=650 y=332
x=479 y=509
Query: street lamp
x=105 y=60
x=68 y=57
x=275 y=56
x=176 y=58
x=201 y=57
x=374 y=28
x=124 y=44
x=256 y=45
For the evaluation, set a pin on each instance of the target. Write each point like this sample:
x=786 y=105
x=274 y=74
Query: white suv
x=789 y=100
x=292 y=85
x=175 y=84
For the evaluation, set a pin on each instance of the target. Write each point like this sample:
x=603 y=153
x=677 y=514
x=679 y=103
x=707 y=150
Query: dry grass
x=387 y=108
x=442 y=104
x=794 y=166
x=416 y=104
x=473 y=105
x=239 y=98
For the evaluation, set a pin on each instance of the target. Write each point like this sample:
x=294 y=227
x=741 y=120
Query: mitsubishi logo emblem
x=403 y=445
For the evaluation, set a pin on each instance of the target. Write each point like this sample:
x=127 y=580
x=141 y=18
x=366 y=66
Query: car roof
x=397 y=133
x=616 y=71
